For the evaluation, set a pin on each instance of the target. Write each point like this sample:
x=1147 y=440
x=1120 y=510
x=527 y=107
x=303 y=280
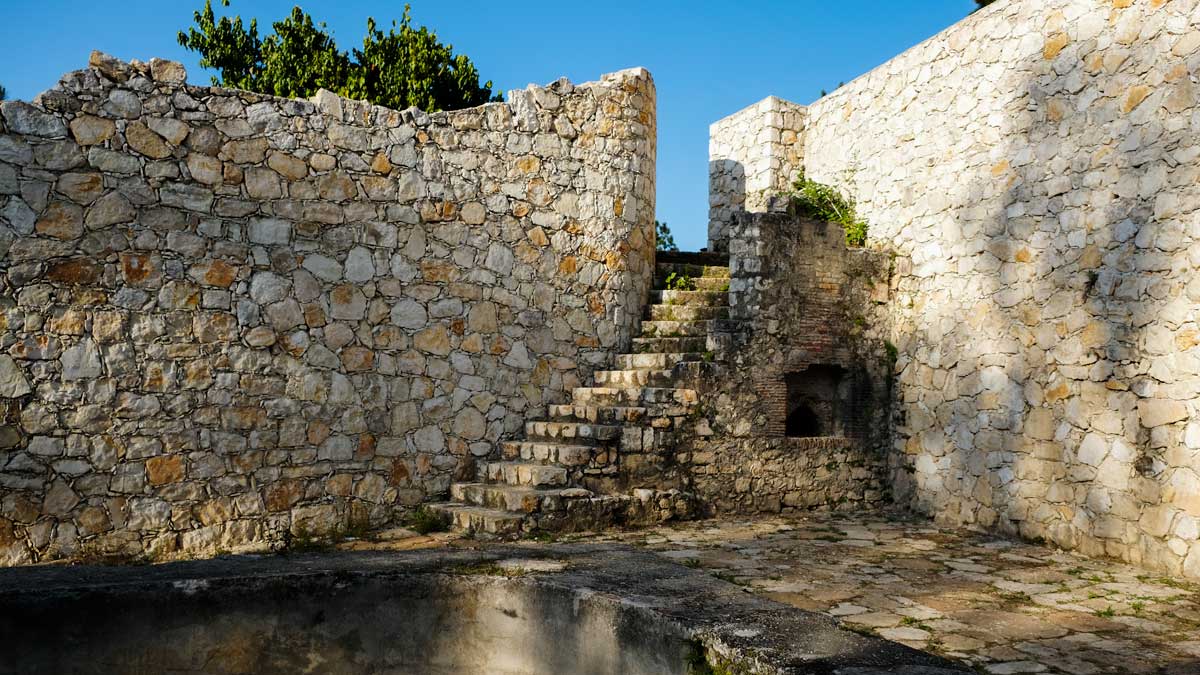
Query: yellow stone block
x=1134 y=97
x=529 y=164
x=1058 y=392
x=381 y=164
x=1055 y=44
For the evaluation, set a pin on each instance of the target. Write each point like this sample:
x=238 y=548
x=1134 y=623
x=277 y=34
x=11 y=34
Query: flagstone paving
x=1002 y=606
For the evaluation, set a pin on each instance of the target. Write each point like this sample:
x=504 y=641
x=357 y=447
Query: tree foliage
x=826 y=93
x=665 y=241
x=983 y=3
x=3 y=93
x=406 y=66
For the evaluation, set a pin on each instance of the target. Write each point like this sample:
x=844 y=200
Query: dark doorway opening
x=814 y=402
x=803 y=423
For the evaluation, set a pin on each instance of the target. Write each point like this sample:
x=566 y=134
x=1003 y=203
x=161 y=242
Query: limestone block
x=1157 y=412
x=13 y=382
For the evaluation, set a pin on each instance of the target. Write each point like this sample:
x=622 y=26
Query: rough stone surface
x=12 y=380
x=220 y=302
x=1032 y=171
x=752 y=155
x=795 y=293
x=994 y=604
x=637 y=613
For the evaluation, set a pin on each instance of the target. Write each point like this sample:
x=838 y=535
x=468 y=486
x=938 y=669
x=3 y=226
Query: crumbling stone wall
x=799 y=299
x=752 y=155
x=228 y=316
x=1034 y=170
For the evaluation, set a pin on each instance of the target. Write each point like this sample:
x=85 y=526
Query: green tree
x=662 y=235
x=3 y=93
x=407 y=66
x=825 y=93
x=983 y=3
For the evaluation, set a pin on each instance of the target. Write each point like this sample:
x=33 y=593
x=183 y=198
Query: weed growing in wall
x=811 y=199
x=679 y=282
x=423 y=521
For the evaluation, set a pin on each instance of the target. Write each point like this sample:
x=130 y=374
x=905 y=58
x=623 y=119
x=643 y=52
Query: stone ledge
x=45 y=605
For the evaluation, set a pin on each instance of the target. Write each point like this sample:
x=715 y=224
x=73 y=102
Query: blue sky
x=708 y=59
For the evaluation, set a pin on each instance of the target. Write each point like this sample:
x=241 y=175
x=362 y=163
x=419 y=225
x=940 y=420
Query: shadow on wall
x=1073 y=363
x=726 y=194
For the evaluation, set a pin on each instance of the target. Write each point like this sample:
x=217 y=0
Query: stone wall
x=229 y=316
x=752 y=154
x=799 y=303
x=1034 y=170
x=761 y=474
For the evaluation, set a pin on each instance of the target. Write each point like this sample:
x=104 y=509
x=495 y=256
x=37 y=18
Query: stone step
x=660 y=361
x=693 y=283
x=571 y=432
x=671 y=345
x=690 y=298
x=646 y=396
x=663 y=269
x=523 y=473
x=675 y=328
x=686 y=313
x=476 y=519
x=562 y=454
x=716 y=284
x=514 y=498
x=634 y=378
x=608 y=414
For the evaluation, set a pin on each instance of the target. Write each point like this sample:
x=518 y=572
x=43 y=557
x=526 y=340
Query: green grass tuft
x=423 y=521
x=679 y=282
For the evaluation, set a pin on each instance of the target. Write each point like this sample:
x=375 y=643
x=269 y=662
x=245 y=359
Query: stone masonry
x=228 y=318
x=1033 y=171
x=752 y=155
x=609 y=456
x=797 y=300
x=694 y=420
x=225 y=317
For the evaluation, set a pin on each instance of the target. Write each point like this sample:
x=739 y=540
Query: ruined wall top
x=753 y=154
x=227 y=315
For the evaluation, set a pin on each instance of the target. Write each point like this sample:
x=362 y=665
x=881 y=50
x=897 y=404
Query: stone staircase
x=605 y=458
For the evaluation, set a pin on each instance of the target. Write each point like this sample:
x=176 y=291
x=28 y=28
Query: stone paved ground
x=1003 y=606
x=1000 y=605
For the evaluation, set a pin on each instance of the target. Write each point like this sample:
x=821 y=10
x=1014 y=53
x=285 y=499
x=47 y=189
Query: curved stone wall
x=226 y=316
